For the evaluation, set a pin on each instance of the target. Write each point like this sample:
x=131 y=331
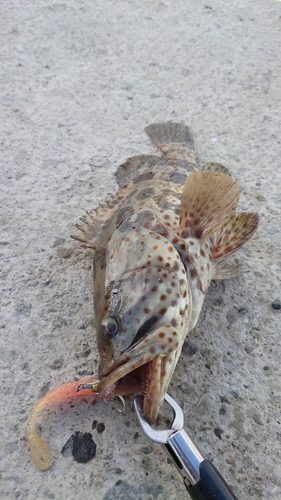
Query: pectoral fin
x=208 y=201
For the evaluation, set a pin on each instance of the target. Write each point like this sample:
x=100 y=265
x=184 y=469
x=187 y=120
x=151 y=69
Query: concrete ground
x=79 y=81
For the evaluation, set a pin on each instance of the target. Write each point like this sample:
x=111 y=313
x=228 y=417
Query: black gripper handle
x=211 y=485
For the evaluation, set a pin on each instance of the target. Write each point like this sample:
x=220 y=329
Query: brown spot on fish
x=163 y=311
x=154 y=288
x=155 y=247
x=160 y=258
x=174 y=323
x=192 y=273
x=163 y=297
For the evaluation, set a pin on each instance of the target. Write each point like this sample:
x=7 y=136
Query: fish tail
x=175 y=140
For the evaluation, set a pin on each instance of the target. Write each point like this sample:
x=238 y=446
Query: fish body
x=158 y=244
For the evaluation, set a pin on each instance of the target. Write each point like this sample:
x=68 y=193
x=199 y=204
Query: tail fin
x=174 y=139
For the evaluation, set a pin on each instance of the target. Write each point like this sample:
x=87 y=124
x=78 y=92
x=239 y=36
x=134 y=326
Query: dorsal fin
x=234 y=234
x=94 y=221
x=208 y=201
x=135 y=168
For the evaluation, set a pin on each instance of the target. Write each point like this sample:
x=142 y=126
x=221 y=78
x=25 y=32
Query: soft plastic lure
x=40 y=451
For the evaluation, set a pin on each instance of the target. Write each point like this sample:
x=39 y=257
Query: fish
x=158 y=243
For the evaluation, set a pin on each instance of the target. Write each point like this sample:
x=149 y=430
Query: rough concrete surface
x=79 y=82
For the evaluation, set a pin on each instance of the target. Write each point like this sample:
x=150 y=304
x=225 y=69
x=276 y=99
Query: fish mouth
x=146 y=367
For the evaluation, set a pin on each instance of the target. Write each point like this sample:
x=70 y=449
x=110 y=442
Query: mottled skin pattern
x=158 y=243
x=141 y=255
x=153 y=262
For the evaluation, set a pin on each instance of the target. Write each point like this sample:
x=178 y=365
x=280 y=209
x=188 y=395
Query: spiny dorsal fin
x=135 y=168
x=215 y=167
x=234 y=234
x=208 y=201
x=91 y=228
x=174 y=139
x=94 y=221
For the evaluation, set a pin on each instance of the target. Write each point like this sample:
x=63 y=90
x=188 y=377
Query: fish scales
x=158 y=244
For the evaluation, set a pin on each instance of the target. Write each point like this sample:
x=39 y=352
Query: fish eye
x=111 y=327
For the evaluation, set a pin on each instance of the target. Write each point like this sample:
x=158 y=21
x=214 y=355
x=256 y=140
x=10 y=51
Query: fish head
x=140 y=335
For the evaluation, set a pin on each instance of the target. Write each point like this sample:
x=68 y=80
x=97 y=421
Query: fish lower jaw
x=147 y=368
x=140 y=381
x=135 y=381
x=146 y=380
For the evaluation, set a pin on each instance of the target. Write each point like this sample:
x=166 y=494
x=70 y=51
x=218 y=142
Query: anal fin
x=215 y=167
x=237 y=231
